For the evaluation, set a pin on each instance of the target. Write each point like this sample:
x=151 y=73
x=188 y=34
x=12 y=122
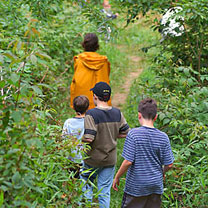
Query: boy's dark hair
x=81 y=104
x=90 y=42
x=102 y=99
x=148 y=108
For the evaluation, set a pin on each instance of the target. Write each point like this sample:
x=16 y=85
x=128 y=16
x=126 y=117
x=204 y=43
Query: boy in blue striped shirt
x=147 y=156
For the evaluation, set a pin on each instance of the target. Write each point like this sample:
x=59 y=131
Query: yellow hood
x=92 y=60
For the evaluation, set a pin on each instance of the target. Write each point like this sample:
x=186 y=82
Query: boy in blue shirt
x=74 y=129
x=147 y=156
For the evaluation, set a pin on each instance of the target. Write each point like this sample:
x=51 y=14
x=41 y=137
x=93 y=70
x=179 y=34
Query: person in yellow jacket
x=89 y=69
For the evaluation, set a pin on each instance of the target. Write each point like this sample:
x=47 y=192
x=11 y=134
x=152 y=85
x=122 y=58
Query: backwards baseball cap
x=102 y=90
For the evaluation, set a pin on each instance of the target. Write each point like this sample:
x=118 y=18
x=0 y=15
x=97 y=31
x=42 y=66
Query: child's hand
x=115 y=184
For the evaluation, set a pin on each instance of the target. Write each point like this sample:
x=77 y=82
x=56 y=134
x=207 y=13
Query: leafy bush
x=189 y=48
x=38 y=41
x=178 y=81
x=183 y=116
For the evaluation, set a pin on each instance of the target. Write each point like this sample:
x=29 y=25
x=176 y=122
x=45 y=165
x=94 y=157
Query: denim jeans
x=104 y=182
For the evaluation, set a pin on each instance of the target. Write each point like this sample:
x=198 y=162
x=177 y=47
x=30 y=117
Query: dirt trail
x=119 y=97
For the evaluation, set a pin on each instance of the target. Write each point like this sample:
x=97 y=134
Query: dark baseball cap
x=102 y=90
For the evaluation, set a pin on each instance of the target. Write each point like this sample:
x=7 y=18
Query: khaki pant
x=150 y=201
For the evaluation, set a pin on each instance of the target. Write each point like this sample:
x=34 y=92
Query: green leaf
x=46 y=86
x=17 y=115
x=21 y=203
x=4 y=188
x=161 y=116
x=1 y=198
x=16 y=178
x=6 y=119
x=10 y=55
x=24 y=89
x=166 y=121
x=37 y=90
x=42 y=55
x=1 y=59
x=12 y=151
x=190 y=81
x=186 y=71
x=8 y=184
x=14 y=78
x=33 y=58
x=2 y=83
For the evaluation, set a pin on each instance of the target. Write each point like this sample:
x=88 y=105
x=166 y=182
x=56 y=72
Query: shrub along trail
x=182 y=102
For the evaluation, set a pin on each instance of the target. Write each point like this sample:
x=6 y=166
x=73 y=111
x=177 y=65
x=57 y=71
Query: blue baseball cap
x=102 y=90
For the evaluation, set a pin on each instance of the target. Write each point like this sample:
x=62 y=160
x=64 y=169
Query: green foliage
x=33 y=163
x=182 y=103
x=181 y=93
x=188 y=49
x=135 y=7
x=38 y=42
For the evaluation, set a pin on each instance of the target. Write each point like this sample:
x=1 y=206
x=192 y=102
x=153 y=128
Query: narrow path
x=119 y=98
x=132 y=40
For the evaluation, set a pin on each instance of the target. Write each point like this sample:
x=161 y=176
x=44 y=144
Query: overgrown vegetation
x=188 y=49
x=38 y=40
x=182 y=117
x=177 y=79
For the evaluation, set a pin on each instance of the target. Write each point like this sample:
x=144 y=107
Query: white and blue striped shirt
x=148 y=149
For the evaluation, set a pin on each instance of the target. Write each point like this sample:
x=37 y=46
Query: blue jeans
x=104 y=182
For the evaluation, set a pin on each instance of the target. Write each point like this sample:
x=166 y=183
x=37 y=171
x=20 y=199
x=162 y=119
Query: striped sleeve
x=167 y=156
x=90 y=127
x=129 y=149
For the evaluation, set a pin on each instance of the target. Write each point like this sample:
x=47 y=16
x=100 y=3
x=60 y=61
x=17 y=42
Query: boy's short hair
x=90 y=42
x=81 y=104
x=148 y=108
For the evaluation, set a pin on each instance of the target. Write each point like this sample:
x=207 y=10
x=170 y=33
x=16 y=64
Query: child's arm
x=124 y=167
x=86 y=140
x=166 y=168
x=121 y=136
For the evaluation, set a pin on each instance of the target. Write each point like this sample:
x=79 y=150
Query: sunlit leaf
x=37 y=90
x=15 y=78
x=1 y=198
x=42 y=55
x=2 y=83
x=10 y=55
x=33 y=58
